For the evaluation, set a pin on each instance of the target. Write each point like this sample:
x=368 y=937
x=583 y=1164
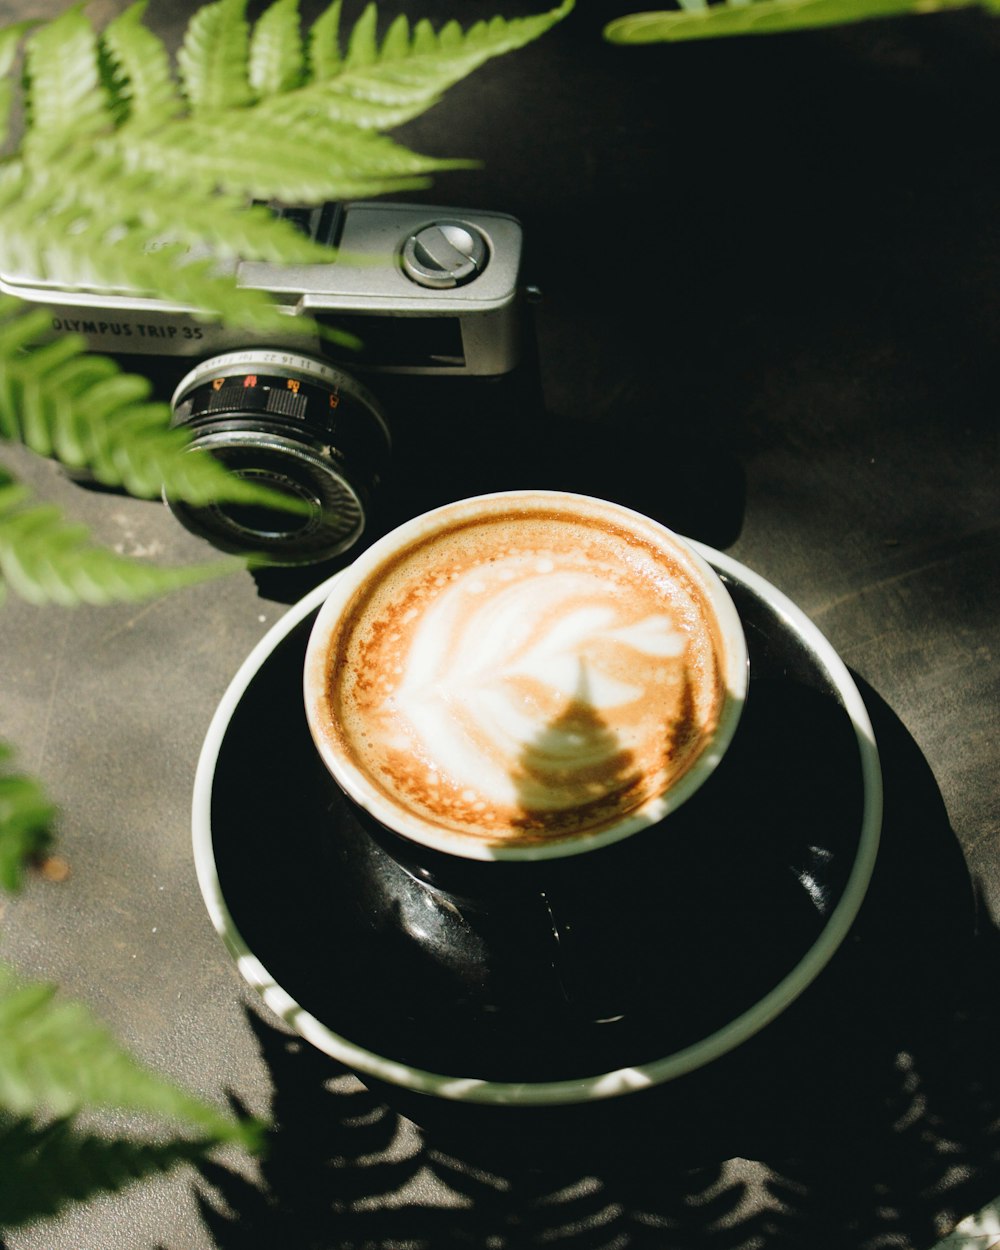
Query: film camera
x=428 y=293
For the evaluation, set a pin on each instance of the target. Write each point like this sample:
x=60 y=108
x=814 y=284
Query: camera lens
x=299 y=427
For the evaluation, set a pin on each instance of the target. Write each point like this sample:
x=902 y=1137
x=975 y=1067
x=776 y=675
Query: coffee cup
x=524 y=676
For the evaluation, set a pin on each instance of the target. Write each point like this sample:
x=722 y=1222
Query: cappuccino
x=522 y=673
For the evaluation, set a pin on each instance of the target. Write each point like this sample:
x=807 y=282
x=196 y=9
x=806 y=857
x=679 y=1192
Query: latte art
x=524 y=675
x=499 y=671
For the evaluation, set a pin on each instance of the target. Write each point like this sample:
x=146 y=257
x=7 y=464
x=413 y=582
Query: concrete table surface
x=770 y=317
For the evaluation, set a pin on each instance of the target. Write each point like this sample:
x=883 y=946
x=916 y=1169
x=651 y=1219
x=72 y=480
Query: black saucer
x=740 y=901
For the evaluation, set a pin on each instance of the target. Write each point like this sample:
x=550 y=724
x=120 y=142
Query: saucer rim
x=581 y=1089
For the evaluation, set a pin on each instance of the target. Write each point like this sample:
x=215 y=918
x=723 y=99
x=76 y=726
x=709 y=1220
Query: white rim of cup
x=582 y=1089
x=353 y=780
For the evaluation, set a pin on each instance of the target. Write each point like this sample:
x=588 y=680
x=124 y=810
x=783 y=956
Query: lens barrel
x=296 y=425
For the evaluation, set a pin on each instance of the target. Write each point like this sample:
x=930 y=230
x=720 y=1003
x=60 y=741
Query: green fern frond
x=46 y=559
x=26 y=816
x=760 y=17
x=43 y=1170
x=379 y=86
x=277 y=57
x=124 y=177
x=55 y=1058
x=213 y=57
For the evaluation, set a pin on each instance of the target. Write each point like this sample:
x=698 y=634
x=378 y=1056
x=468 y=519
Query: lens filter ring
x=326 y=517
x=293 y=424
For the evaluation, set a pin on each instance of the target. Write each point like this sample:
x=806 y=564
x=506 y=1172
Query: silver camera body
x=427 y=291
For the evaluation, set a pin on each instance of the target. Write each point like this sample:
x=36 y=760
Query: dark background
x=769 y=271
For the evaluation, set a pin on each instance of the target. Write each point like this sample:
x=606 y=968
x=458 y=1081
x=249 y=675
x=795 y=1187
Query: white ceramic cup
x=525 y=675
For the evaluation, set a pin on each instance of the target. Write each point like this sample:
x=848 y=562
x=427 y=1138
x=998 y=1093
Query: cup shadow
x=457 y=438
x=867 y=1114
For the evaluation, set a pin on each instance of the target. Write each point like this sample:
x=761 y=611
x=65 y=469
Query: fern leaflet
x=213 y=58
x=277 y=58
x=46 y=559
x=286 y=157
x=65 y=93
x=323 y=54
x=761 y=17
x=10 y=40
x=56 y=1058
x=142 y=69
x=26 y=816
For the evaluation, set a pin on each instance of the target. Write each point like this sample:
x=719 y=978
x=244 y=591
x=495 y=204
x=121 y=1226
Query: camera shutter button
x=444 y=254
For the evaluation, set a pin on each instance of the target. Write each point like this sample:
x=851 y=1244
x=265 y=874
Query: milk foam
x=526 y=677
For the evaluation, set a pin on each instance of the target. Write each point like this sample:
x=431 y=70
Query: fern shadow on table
x=867 y=1115
x=551 y=763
